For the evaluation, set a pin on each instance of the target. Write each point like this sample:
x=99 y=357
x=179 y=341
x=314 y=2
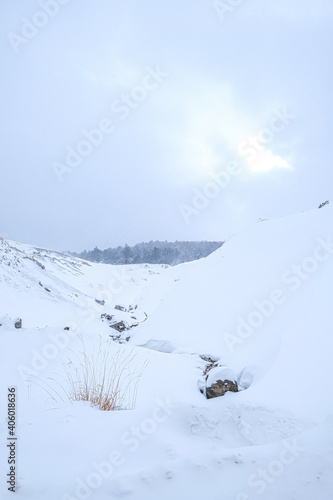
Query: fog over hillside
x=154 y=252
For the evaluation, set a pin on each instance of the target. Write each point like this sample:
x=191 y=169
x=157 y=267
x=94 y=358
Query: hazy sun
x=266 y=160
x=259 y=158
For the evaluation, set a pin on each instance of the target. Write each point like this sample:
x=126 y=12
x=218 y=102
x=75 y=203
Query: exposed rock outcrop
x=220 y=387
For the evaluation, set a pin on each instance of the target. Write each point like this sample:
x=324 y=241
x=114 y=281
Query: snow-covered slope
x=261 y=301
x=260 y=307
x=51 y=288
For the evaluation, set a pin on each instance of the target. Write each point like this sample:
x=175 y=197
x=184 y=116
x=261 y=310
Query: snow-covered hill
x=50 y=288
x=259 y=308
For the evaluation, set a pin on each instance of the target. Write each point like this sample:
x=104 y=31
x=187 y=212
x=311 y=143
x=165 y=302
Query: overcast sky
x=182 y=120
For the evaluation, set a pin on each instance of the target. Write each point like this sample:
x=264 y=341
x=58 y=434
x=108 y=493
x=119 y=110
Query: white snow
x=260 y=307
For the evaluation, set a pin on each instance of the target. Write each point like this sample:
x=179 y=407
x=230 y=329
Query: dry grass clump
x=102 y=379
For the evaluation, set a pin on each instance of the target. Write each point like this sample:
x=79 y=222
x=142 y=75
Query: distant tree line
x=154 y=252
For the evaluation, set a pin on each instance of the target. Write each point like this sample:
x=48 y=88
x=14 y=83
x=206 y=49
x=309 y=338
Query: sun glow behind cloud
x=258 y=157
x=208 y=129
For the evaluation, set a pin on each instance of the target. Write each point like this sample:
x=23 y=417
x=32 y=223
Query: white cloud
x=267 y=160
x=208 y=126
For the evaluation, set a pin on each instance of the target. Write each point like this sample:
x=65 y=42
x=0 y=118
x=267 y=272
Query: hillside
x=256 y=311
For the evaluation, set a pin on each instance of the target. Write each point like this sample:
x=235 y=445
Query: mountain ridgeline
x=154 y=252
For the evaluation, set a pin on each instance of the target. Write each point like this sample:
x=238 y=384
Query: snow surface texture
x=260 y=307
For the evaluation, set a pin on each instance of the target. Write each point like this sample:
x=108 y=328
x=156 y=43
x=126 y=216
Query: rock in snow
x=18 y=323
x=220 y=387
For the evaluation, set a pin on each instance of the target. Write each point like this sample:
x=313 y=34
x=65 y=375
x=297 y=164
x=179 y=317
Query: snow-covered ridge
x=25 y=267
